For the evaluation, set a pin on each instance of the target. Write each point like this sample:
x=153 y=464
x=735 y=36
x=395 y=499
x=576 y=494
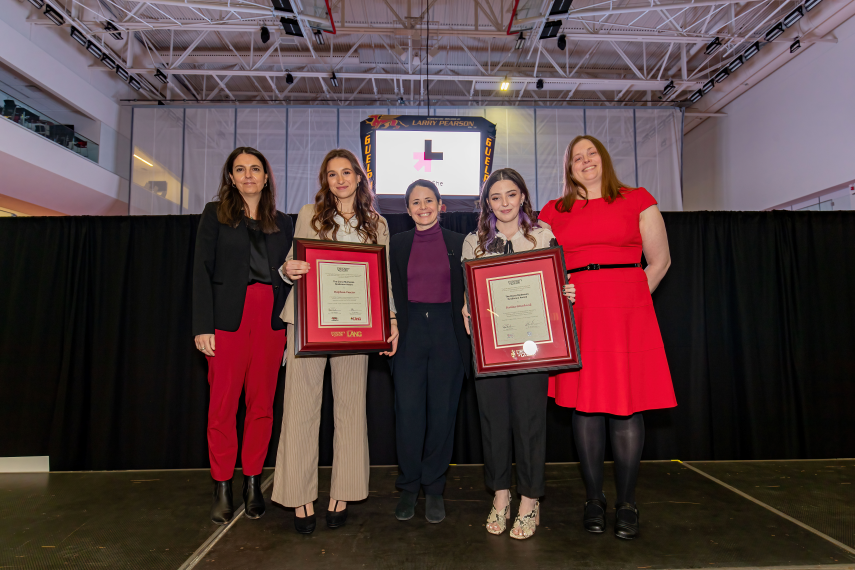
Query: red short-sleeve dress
x=624 y=368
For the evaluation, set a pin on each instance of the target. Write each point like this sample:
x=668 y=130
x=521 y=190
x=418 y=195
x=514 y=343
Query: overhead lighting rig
x=539 y=84
x=78 y=36
x=751 y=51
x=669 y=88
x=289 y=79
x=506 y=83
x=265 y=34
x=721 y=75
x=134 y=82
x=38 y=3
x=562 y=42
x=696 y=96
x=334 y=80
x=108 y=61
x=809 y=4
x=114 y=31
x=54 y=16
x=707 y=87
x=319 y=37
x=520 y=41
x=713 y=46
x=773 y=33
x=735 y=64
x=122 y=73
x=161 y=76
x=793 y=16
x=795 y=45
x=93 y=48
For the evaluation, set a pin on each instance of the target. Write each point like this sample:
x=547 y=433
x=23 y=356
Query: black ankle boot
x=253 y=500
x=594 y=518
x=406 y=506
x=222 y=509
x=335 y=518
x=626 y=521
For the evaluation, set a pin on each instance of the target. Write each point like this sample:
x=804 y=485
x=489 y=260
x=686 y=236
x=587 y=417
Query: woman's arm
x=383 y=239
x=294 y=269
x=204 y=259
x=654 y=243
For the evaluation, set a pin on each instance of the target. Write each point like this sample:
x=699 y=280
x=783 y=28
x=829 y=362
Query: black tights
x=627 y=435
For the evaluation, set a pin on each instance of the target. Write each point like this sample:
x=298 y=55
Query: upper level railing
x=39 y=123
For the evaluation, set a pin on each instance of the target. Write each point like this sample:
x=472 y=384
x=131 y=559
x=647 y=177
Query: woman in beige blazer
x=343 y=211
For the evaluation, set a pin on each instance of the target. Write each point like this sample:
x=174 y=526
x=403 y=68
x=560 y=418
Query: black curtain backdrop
x=98 y=369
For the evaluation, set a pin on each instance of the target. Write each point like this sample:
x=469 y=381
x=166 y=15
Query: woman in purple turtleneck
x=433 y=350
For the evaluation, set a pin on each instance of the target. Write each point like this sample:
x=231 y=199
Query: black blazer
x=221 y=270
x=400 y=247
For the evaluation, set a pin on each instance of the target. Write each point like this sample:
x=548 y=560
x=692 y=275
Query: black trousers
x=513 y=417
x=428 y=375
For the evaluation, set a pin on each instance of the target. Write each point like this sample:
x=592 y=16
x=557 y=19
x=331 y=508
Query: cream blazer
x=305 y=230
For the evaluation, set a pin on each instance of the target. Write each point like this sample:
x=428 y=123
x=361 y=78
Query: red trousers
x=248 y=358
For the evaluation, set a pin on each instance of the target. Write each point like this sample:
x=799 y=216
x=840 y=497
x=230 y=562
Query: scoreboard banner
x=455 y=153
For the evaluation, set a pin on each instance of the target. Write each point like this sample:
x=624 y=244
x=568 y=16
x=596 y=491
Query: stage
x=746 y=514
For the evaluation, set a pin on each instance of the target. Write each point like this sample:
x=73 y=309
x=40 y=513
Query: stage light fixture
x=735 y=64
x=707 y=87
x=539 y=84
x=560 y=7
x=696 y=96
x=751 y=51
x=291 y=26
x=108 y=61
x=550 y=29
x=319 y=37
x=334 y=80
x=713 y=46
x=809 y=4
x=265 y=34
x=401 y=101
x=283 y=6
x=562 y=42
x=120 y=71
x=78 y=36
x=774 y=32
x=38 y=3
x=114 y=31
x=793 y=16
x=134 y=82
x=506 y=83
x=94 y=49
x=289 y=79
x=795 y=45
x=161 y=76
x=669 y=88
x=721 y=75
x=520 y=41
x=54 y=16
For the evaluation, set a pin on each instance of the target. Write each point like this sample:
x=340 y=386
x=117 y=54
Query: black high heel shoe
x=594 y=517
x=222 y=509
x=335 y=518
x=626 y=521
x=305 y=524
x=253 y=499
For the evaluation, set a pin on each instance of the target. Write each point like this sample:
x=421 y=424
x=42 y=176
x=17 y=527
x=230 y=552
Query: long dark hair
x=574 y=190
x=326 y=206
x=232 y=205
x=487 y=220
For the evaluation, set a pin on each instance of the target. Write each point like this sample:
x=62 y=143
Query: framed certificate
x=520 y=319
x=342 y=303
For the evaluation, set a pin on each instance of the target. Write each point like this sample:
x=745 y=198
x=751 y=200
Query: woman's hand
x=295 y=269
x=205 y=343
x=394 y=340
x=465 y=312
x=570 y=292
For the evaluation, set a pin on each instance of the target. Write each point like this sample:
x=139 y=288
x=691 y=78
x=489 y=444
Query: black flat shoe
x=594 y=517
x=305 y=524
x=406 y=506
x=222 y=510
x=434 y=508
x=253 y=500
x=335 y=518
x=626 y=521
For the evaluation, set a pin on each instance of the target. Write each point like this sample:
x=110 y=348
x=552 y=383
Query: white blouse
x=518 y=243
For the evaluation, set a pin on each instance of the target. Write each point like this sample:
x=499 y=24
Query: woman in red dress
x=604 y=226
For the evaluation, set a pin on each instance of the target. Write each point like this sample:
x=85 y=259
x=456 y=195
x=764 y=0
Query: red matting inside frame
x=495 y=356
x=314 y=336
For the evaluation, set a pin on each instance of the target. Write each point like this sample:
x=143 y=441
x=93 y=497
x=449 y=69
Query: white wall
x=790 y=136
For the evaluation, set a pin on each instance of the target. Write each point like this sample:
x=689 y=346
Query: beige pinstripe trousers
x=295 y=481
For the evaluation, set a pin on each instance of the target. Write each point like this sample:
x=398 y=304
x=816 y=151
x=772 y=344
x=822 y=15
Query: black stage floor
x=781 y=514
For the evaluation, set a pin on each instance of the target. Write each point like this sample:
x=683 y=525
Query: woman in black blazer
x=433 y=350
x=238 y=294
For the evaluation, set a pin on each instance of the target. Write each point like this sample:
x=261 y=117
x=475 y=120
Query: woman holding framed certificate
x=343 y=212
x=513 y=406
x=237 y=297
x=604 y=226
x=433 y=351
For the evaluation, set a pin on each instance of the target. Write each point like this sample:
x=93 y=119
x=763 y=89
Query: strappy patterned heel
x=500 y=519
x=525 y=525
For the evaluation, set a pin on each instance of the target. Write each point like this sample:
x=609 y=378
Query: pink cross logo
x=419 y=157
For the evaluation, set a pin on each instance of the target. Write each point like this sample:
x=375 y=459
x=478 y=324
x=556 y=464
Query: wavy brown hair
x=231 y=204
x=612 y=188
x=487 y=219
x=326 y=203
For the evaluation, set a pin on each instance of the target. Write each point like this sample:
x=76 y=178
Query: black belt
x=596 y=266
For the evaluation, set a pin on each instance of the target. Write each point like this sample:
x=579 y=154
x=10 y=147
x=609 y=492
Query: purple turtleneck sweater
x=428 y=271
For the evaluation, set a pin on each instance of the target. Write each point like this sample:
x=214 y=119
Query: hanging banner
x=455 y=153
